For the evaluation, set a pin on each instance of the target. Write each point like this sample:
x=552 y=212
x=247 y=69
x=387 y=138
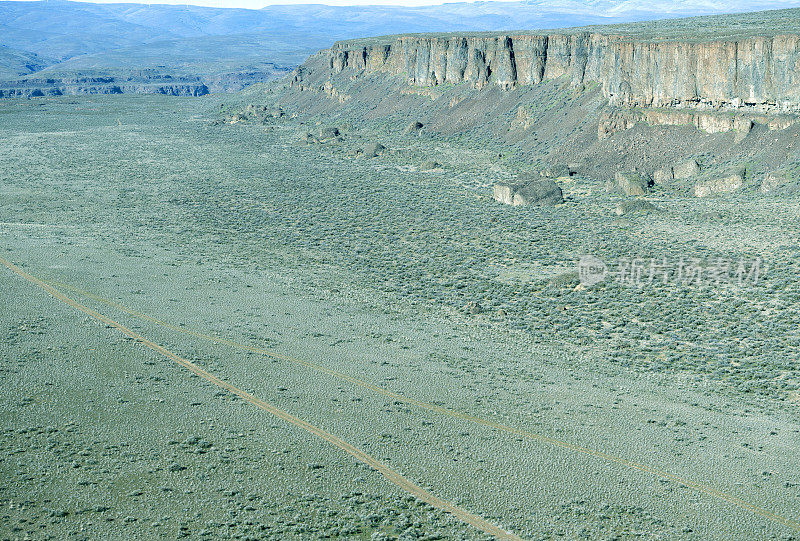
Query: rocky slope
x=719 y=92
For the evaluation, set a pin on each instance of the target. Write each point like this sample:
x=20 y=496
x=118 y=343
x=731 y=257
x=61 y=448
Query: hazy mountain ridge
x=69 y=38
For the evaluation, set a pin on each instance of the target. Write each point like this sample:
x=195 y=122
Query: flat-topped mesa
x=754 y=73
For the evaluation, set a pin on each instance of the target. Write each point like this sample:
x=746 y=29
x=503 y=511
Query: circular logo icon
x=591 y=270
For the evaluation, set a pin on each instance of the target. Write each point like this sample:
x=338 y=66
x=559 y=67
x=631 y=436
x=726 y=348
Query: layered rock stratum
x=138 y=81
x=757 y=71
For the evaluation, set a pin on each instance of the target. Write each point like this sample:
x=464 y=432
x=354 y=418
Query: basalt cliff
x=138 y=81
x=758 y=73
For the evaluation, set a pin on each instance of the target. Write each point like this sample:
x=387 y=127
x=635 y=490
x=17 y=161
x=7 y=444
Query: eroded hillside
x=640 y=96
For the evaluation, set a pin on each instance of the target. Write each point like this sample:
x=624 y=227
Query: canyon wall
x=759 y=74
x=137 y=81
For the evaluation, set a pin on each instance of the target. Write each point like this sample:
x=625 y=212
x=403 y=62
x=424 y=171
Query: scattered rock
x=779 y=183
x=686 y=170
x=634 y=206
x=430 y=165
x=530 y=192
x=616 y=120
x=413 y=128
x=632 y=183
x=373 y=150
x=473 y=308
x=329 y=133
x=253 y=113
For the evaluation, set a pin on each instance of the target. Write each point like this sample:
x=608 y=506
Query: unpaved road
x=611 y=434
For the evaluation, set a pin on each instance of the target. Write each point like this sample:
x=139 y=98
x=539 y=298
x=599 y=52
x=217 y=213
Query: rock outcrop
x=73 y=86
x=740 y=121
x=756 y=73
x=145 y=81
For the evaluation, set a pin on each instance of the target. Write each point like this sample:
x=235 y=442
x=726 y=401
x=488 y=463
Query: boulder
x=663 y=175
x=730 y=183
x=473 y=308
x=779 y=183
x=538 y=192
x=559 y=170
x=686 y=170
x=740 y=171
x=329 y=133
x=635 y=206
x=631 y=182
x=529 y=192
x=430 y=165
x=373 y=149
x=742 y=127
x=504 y=193
x=413 y=128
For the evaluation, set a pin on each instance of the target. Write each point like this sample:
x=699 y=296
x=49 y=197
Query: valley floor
x=398 y=309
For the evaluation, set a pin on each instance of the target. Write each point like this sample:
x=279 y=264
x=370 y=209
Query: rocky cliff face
x=759 y=74
x=137 y=82
x=34 y=88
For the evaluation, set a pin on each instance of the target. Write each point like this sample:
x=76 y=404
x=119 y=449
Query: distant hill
x=60 y=39
x=15 y=63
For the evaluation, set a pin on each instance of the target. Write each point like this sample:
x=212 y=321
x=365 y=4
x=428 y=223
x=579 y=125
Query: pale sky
x=258 y=4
